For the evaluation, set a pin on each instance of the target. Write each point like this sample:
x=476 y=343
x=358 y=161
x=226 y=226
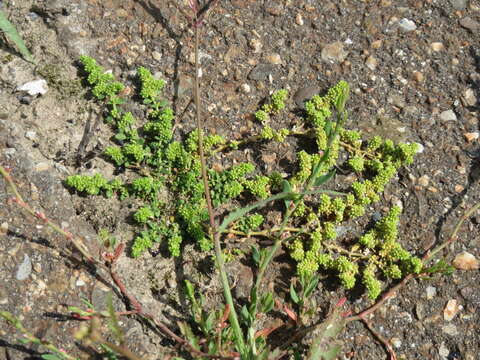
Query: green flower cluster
x=103 y=83
x=96 y=184
x=268 y=133
x=276 y=104
x=250 y=222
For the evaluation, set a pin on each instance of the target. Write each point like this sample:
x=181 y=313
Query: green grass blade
x=7 y=27
x=242 y=211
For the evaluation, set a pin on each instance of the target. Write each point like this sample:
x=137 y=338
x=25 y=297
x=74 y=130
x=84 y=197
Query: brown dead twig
x=108 y=266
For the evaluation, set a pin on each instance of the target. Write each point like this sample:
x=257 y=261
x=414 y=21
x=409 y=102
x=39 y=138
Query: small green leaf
x=120 y=136
x=294 y=295
x=256 y=256
x=11 y=32
x=324 y=178
x=267 y=303
x=51 y=357
x=235 y=215
x=287 y=188
x=189 y=290
x=311 y=286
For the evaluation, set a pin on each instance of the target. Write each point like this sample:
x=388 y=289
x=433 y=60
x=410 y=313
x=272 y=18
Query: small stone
x=304 y=94
x=256 y=45
x=407 y=25
x=79 y=283
x=37 y=267
x=9 y=151
x=465 y=261
x=418 y=76
x=469 y=97
x=443 y=351
x=245 y=88
x=371 y=63
x=396 y=342
x=122 y=13
x=334 y=52
x=423 y=180
x=451 y=309
x=3 y=228
x=274 y=59
x=471 y=136
x=25 y=269
x=437 y=46
x=377 y=44
x=261 y=72
x=459 y=5
x=420 y=148
x=470 y=24
x=448 y=115
x=431 y=292
x=450 y=329
x=156 y=56
x=35 y=87
x=42 y=166
x=274 y=9
x=31 y=135
x=459 y=188
x=299 y=20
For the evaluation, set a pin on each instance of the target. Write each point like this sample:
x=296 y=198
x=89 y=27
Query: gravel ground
x=414 y=70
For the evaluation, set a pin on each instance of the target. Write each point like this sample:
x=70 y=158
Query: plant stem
x=214 y=233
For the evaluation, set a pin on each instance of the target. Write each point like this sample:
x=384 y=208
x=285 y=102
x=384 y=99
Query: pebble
x=470 y=24
x=274 y=59
x=261 y=72
x=42 y=166
x=3 y=228
x=299 y=20
x=256 y=45
x=31 y=135
x=407 y=25
x=371 y=63
x=469 y=97
x=334 y=52
x=396 y=342
x=465 y=261
x=443 y=351
x=156 y=56
x=274 y=9
x=471 y=136
x=25 y=269
x=459 y=5
x=245 y=88
x=431 y=292
x=420 y=148
x=437 y=46
x=450 y=329
x=448 y=115
x=377 y=44
x=9 y=151
x=35 y=87
x=305 y=94
x=451 y=309
x=423 y=180
x=418 y=76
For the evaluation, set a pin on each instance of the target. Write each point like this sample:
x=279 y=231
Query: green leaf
x=286 y=187
x=51 y=357
x=324 y=178
x=256 y=256
x=237 y=214
x=312 y=285
x=11 y=32
x=189 y=290
x=294 y=295
x=267 y=303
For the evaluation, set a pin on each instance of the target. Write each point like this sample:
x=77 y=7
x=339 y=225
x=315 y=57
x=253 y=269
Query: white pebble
x=448 y=115
x=407 y=25
x=34 y=87
x=25 y=268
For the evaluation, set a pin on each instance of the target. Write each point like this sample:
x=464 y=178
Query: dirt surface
x=414 y=70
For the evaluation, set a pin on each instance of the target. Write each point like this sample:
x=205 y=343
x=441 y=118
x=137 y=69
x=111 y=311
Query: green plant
x=11 y=32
